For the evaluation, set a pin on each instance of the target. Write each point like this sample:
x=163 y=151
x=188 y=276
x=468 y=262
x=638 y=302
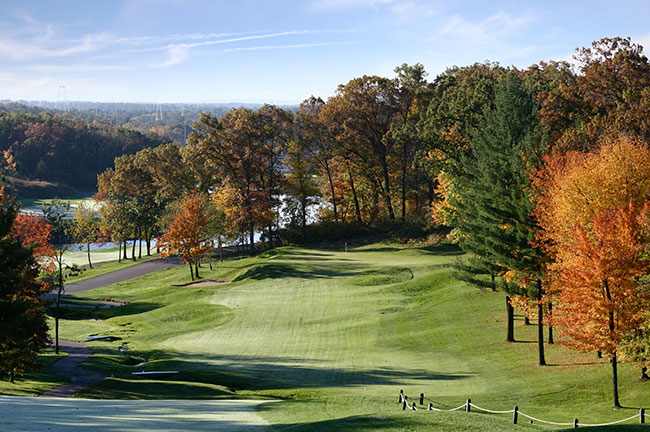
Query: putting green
x=75 y=415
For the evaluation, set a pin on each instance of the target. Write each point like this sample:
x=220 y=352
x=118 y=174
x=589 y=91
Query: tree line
x=47 y=147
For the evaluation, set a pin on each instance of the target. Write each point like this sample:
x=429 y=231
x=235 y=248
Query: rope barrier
x=545 y=421
x=611 y=423
x=515 y=411
x=491 y=411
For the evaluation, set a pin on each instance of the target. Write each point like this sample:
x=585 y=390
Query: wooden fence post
x=642 y=416
x=575 y=423
x=404 y=403
x=515 y=414
x=421 y=398
x=430 y=407
x=401 y=393
x=468 y=407
x=414 y=407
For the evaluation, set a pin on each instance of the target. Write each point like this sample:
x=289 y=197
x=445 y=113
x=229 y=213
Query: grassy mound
x=382 y=276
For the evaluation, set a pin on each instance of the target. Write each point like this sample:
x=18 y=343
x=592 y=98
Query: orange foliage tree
x=600 y=300
x=591 y=227
x=187 y=234
x=34 y=232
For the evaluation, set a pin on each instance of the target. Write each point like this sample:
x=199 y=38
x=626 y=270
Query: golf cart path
x=70 y=366
x=77 y=415
x=122 y=275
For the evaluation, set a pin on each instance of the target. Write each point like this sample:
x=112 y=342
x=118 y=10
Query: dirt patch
x=204 y=283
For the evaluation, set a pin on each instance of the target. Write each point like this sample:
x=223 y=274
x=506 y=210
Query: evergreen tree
x=23 y=323
x=494 y=201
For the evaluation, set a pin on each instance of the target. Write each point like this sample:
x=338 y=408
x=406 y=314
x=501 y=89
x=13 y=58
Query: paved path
x=82 y=415
x=69 y=366
x=121 y=275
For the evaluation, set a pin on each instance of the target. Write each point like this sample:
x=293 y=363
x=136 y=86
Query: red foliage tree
x=187 y=234
x=34 y=232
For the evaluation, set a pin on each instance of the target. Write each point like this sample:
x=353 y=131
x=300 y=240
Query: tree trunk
x=58 y=302
x=139 y=243
x=644 y=374
x=526 y=319
x=354 y=196
x=331 y=183
x=430 y=191
x=303 y=209
x=614 y=376
x=11 y=376
x=191 y=270
x=119 y=251
x=270 y=228
x=404 y=170
x=126 y=244
x=510 y=337
x=550 y=323
x=196 y=270
x=612 y=327
x=220 y=249
x=252 y=239
x=149 y=244
x=540 y=324
x=90 y=264
x=133 y=250
x=389 y=203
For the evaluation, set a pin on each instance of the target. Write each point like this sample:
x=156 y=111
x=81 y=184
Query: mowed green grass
x=335 y=336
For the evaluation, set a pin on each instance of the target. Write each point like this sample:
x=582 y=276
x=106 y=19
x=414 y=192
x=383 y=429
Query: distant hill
x=44 y=146
x=172 y=120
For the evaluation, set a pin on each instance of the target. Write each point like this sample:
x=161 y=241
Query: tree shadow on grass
x=443 y=249
x=349 y=424
x=284 y=270
x=78 y=314
x=257 y=373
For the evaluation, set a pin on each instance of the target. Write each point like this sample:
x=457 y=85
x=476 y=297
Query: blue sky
x=278 y=51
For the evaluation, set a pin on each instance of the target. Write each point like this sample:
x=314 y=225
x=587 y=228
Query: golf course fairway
x=324 y=339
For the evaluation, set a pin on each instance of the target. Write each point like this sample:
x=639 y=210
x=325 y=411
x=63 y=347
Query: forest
x=44 y=146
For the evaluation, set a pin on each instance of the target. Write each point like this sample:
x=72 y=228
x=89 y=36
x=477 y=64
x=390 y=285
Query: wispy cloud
x=273 y=47
x=74 y=68
x=495 y=27
x=344 y=4
x=179 y=52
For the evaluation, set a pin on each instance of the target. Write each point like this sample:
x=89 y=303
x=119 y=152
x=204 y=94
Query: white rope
x=545 y=421
x=491 y=411
x=458 y=407
x=611 y=423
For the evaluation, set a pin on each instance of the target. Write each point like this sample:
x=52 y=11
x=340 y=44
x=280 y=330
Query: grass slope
x=335 y=335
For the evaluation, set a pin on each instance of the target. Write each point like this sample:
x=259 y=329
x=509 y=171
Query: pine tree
x=494 y=199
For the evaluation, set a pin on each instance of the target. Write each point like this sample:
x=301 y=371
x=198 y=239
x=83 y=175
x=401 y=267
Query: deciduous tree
x=23 y=322
x=187 y=234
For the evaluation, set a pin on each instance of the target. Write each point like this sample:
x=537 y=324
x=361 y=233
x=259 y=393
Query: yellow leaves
x=588 y=211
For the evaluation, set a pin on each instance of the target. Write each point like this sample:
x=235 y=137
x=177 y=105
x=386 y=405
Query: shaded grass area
x=35 y=383
x=334 y=336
